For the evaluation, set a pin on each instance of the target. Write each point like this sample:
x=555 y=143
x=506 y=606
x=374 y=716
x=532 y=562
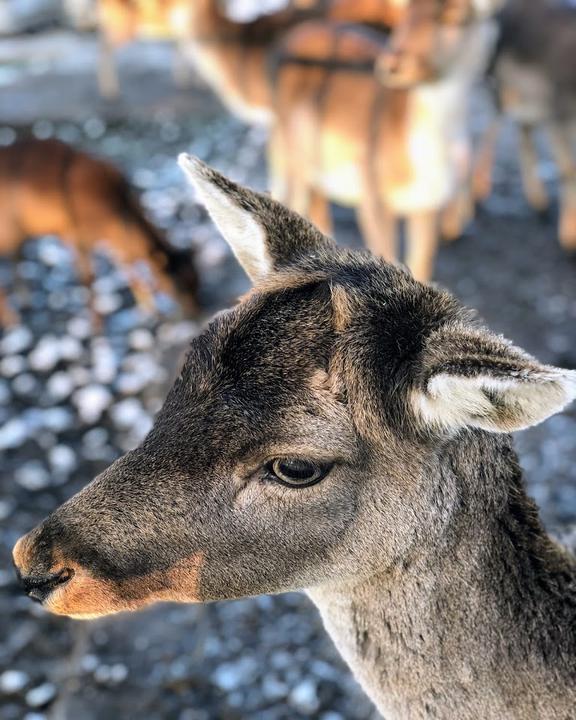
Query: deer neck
x=482 y=624
x=235 y=68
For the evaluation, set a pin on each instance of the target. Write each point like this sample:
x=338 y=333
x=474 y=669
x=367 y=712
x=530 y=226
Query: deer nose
x=38 y=587
x=37 y=576
x=390 y=64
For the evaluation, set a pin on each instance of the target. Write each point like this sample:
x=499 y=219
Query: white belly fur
x=438 y=141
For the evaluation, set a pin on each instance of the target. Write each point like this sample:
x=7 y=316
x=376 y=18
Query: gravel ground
x=70 y=402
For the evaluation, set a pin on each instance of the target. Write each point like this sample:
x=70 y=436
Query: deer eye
x=294 y=472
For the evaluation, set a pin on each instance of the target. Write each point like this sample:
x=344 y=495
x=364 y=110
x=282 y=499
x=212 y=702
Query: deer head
x=297 y=446
x=431 y=38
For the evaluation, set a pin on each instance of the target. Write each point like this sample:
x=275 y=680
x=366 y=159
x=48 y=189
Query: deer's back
x=49 y=187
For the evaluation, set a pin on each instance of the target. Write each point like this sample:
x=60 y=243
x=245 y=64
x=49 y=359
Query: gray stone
x=16 y=340
x=32 y=476
x=41 y=695
x=304 y=697
x=13 y=681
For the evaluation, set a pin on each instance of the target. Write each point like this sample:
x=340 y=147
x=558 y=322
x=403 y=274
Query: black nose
x=39 y=587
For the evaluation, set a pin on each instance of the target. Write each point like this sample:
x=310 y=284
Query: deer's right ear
x=264 y=235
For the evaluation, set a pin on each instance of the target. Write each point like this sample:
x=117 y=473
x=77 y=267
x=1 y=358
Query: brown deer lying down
x=344 y=429
x=122 y=21
x=338 y=134
x=49 y=187
x=536 y=87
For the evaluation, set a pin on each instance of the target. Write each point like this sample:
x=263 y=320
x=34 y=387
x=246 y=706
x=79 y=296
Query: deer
x=535 y=87
x=404 y=152
x=123 y=21
x=234 y=57
x=345 y=430
x=50 y=187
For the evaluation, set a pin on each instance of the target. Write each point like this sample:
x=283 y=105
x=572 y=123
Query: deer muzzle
x=37 y=579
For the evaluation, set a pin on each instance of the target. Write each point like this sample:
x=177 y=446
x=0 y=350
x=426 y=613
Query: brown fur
x=321 y=150
x=303 y=85
x=123 y=21
x=49 y=187
x=425 y=556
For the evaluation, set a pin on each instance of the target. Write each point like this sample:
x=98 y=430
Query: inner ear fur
x=265 y=236
x=472 y=378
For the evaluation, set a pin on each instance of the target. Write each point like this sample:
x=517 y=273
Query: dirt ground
x=266 y=658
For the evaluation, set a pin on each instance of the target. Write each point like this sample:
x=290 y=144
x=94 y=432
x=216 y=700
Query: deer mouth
x=40 y=587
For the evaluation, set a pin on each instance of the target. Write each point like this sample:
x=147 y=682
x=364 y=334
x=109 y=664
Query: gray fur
x=425 y=556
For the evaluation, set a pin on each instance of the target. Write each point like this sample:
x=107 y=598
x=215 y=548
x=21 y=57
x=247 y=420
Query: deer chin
x=85 y=597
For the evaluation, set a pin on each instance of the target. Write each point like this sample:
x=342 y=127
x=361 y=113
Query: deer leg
x=108 y=82
x=180 y=66
x=564 y=155
x=8 y=316
x=278 y=168
x=482 y=176
x=319 y=212
x=533 y=186
x=422 y=244
x=457 y=214
x=378 y=226
x=86 y=277
x=140 y=289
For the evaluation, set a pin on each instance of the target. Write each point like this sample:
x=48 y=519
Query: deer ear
x=264 y=235
x=475 y=379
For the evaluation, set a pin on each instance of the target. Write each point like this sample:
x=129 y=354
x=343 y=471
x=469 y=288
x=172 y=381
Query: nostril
x=391 y=64
x=38 y=587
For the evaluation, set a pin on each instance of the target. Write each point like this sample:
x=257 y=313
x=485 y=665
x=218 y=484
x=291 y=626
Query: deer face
x=299 y=445
x=430 y=39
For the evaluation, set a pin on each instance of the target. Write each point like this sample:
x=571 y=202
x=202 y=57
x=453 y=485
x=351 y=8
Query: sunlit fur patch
x=22 y=555
x=86 y=597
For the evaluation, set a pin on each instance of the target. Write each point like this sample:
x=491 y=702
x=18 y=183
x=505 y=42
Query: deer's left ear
x=264 y=235
x=476 y=379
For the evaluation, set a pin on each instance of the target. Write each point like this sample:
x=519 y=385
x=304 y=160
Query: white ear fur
x=494 y=403
x=242 y=232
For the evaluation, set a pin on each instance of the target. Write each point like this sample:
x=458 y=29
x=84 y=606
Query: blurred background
x=83 y=369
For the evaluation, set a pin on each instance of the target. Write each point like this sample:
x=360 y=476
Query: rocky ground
x=71 y=401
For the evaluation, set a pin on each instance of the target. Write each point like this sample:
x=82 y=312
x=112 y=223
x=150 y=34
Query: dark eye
x=294 y=472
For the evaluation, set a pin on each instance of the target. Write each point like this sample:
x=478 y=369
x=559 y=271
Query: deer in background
x=535 y=85
x=49 y=187
x=393 y=143
x=203 y=22
x=123 y=21
x=344 y=429
x=404 y=150
x=234 y=57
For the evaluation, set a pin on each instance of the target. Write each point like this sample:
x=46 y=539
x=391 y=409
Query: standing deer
x=201 y=22
x=234 y=58
x=402 y=152
x=344 y=429
x=394 y=144
x=123 y=21
x=49 y=187
x=536 y=86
